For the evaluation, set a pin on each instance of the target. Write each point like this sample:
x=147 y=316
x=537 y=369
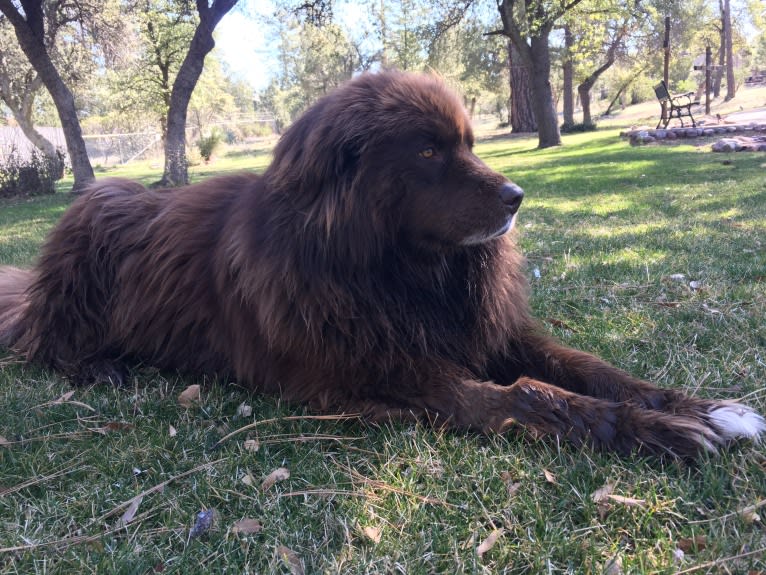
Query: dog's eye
x=427 y=153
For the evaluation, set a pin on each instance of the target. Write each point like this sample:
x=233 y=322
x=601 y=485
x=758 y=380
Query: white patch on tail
x=733 y=420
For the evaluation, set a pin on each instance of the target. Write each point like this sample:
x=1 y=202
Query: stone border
x=644 y=135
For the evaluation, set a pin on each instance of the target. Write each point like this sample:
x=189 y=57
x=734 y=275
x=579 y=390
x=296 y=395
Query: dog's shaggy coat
x=368 y=270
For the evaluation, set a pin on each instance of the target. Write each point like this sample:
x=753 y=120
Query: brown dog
x=368 y=270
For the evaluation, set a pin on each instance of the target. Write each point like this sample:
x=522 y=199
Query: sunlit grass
x=614 y=237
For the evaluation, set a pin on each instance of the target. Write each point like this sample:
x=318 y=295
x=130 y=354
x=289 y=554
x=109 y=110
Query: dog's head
x=388 y=157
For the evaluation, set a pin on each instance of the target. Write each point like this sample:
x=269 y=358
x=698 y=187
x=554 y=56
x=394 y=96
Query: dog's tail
x=14 y=283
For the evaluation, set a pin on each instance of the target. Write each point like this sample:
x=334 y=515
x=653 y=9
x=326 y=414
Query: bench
x=674 y=106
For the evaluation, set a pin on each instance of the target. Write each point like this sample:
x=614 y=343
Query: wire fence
x=120 y=148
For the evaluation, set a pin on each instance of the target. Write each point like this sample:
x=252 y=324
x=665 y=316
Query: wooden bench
x=674 y=106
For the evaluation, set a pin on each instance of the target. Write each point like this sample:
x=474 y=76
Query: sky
x=246 y=44
x=242 y=42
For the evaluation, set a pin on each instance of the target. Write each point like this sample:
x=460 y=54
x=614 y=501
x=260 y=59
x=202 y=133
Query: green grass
x=605 y=226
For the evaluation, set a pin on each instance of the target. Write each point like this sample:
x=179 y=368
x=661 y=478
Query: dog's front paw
x=733 y=421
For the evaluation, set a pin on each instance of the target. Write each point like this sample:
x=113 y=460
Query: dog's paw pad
x=733 y=421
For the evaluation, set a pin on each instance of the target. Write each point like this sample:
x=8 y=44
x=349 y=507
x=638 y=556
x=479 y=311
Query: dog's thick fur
x=367 y=270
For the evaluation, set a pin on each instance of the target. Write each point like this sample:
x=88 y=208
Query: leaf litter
x=279 y=474
x=189 y=397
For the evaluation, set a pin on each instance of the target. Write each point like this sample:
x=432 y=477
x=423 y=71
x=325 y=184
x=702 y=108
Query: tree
x=528 y=24
x=610 y=36
x=568 y=76
x=29 y=23
x=19 y=87
x=313 y=60
x=176 y=168
x=728 y=48
x=478 y=69
x=523 y=115
x=164 y=31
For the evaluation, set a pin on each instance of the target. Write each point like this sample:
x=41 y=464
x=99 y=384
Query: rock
x=726 y=145
x=660 y=134
x=708 y=132
x=671 y=135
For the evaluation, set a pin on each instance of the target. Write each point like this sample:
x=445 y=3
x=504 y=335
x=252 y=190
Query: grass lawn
x=652 y=257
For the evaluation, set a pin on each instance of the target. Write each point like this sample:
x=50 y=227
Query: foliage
x=313 y=60
x=577 y=128
x=34 y=175
x=207 y=145
x=140 y=87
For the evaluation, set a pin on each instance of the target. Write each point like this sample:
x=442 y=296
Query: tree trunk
x=21 y=108
x=38 y=140
x=624 y=87
x=719 y=71
x=30 y=33
x=731 y=87
x=545 y=113
x=522 y=114
x=584 y=91
x=568 y=73
x=176 y=166
x=534 y=54
x=585 y=87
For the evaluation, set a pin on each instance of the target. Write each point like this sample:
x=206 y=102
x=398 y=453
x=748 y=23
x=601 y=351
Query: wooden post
x=708 y=65
x=666 y=48
x=666 y=63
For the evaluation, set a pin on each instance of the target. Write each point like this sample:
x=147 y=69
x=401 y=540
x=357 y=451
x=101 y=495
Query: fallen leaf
x=629 y=501
x=692 y=544
x=489 y=542
x=244 y=410
x=130 y=512
x=4 y=441
x=749 y=515
x=373 y=533
x=246 y=526
x=513 y=488
x=190 y=396
x=66 y=397
x=247 y=479
x=613 y=566
x=549 y=477
x=251 y=445
x=279 y=474
x=291 y=559
x=603 y=492
x=204 y=521
x=172 y=431
x=511 y=485
x=695 y=285
x=112 y=426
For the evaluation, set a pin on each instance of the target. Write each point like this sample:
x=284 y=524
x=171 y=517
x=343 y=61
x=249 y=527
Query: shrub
x=208 y=144
x=567 y=128
x=32 y=176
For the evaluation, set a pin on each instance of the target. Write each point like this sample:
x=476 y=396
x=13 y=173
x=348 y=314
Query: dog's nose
x=511 y=195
